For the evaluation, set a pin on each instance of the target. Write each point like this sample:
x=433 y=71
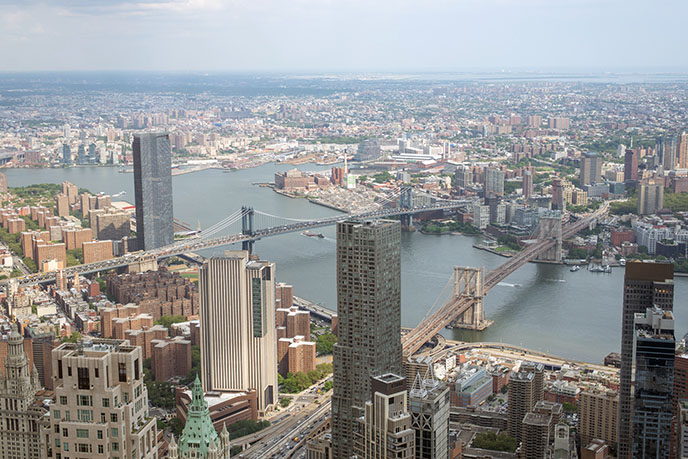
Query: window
x=100 y=449
x=59 y=369
x=136 y=369
x=96 y=372
x=67 y=416
x=84 y=448
x=99 y=435
x=69 y=371
x=102 y=418
x=126 y=397
x=113 y=417
x=85 y=415
x=65 y=446
x=82 y=433
x=106 y=403
x=115 y=446
x=84 y=400
x=63 y=399
x=83 y=378
x=114 y=432
x=65 y=432
x=56 y=414
x=122 y=370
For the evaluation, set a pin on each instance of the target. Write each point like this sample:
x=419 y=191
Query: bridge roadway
x=197 y=243
x=432 y=325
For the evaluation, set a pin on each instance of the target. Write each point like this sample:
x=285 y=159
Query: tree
x=73 y=338
x=285 y=402
x=494 y=442
x=167 y=321
x=324 y=344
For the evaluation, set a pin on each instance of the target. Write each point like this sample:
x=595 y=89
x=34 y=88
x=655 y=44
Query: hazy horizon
x=344 y=36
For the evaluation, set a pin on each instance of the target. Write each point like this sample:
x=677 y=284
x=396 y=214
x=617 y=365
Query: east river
x=543 y=307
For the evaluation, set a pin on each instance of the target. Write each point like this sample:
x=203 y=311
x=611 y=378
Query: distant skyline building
x=646 y=284
x=590 y=169
x=369 y=313
x=153 y=190
x=654 y=383
x=527 y=184
x=494 y=181
x=237 y=320
x=631 y=165
x=682 y=150
x=558 y=201
x=66 y=154
x=666 y=150
x=650 y=198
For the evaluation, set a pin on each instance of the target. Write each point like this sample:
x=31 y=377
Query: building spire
x=199 y=435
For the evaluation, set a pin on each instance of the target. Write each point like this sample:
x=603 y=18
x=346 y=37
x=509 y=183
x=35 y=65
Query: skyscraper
x=153 y=190
x=101 y=403
x=66 y=154
x=590 y=169
x=527 y=184
x=650 y=198
x=237 y=318
x=631 y=165
x=429 y=409
x=558 y=201
x=369 y=311
x=494 y=181
x=526 y=388
x=646 y=284
x=22 y=420
x=666 y=150
x=384 y=431
x=682 y=150
x=654 y=383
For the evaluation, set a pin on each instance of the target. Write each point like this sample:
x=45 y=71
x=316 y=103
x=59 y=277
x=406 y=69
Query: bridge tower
x=468 y=283
x=406 y=202
x=549 y=227
x=247 y=227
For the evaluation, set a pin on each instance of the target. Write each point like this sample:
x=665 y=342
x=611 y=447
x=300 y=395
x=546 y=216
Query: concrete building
x=74 y=238
x=170 y=357
x=97 y=251
x=464 y=177
x=429 y=408
x=650 y=198
x=535 y=436
x=101 y=403
x=494 y=181
x=526 y=388
x=646 y=284
x=62 y=204
x=22 y=417
x=225 y=408
x=631 y=165
x=237 y=317
x=369 y=315
x=153 y=190
x=472 y=387
x=598 y=415
x=527 y=184
x=320 y=447
x=590 y=169
x=384 y=431
x=295 y=355
x=654 y=354
x=481 y=216
x=112 y=225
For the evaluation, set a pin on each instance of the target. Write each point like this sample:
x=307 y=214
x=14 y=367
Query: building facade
x=237 y=319
x=153 y=190
x=369 y=314
x=100 y=407
x=429 y=409
x=384 y=431
x=21 y=418
x=646 y=284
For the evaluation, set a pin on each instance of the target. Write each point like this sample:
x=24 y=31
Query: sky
x=344 y=35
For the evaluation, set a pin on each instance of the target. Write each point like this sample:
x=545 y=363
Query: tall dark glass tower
x=646 y=284
x=153 y=190
x=66 y=154
x=654 y=383
x=369 y=311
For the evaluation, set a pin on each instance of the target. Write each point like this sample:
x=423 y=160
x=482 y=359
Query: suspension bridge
x=254 y=225
x=465 y=309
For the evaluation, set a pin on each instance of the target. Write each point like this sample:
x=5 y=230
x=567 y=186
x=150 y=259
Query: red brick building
x=97 y=251
x=170 y=357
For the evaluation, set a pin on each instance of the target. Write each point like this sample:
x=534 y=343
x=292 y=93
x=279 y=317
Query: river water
x=544 y=307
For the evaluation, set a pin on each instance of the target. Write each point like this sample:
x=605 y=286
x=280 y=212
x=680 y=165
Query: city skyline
x=448 y=36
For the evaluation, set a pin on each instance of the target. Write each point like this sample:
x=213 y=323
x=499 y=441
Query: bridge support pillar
x=406 y=222
x=406 y=202
x=549 y=227
x=468 y=283
x=247 y=227
x=145 y=263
